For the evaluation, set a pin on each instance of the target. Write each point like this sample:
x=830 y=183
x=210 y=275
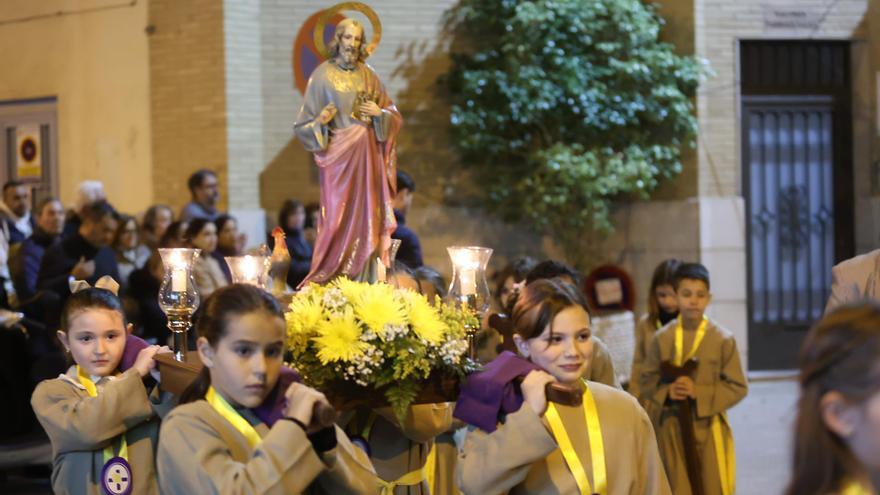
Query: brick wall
x=187 y=95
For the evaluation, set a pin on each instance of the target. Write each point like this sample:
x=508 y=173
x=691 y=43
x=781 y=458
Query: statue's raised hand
x=327 y=114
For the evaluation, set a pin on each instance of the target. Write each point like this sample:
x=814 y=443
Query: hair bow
x=106 y=282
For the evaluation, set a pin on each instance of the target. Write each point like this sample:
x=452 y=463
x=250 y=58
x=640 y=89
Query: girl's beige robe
x=522 y=456
x=200 y=452
x=80 y=426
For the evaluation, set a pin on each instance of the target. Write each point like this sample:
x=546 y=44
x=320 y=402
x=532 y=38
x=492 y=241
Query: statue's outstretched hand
x=327 y=114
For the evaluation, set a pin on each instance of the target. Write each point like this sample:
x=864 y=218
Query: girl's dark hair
x=553 y=269
x=223 y=304
x=538 y=304
x=311 y=209
x=91 y=298
x=46 y=201
x=169 y=238
x=194 y=228
x=840 y=353
x=221 y=220
x=288 y=208
x=149 y=222
x=518 y=269
x=664 y=274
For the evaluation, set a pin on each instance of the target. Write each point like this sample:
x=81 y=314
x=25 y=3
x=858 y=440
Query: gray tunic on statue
x=331 y=84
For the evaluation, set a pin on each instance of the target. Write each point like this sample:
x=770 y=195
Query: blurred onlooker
x=209 y=276
x=25 y=266
x=16 y=210
x=86 y=255
x=175 y=235
x=156 y=221
x=142 y=301
x=205 y=193
x=228 y=236
x=508 y=280
x=292 y=220
x=313 y=215
x=88 y=192
x=410 y=252
x=230 y=242
x=130 y=253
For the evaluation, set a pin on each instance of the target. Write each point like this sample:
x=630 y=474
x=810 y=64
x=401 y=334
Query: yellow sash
x=411 y=478
x=679 y=341
x=92 y=390
x=230 y=414
x=721 y=437
x=597 y=447
x=431 y=465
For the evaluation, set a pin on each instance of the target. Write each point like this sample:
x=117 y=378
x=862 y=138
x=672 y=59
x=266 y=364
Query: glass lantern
x=178 y=295
x=469 y=286
x=249 y=269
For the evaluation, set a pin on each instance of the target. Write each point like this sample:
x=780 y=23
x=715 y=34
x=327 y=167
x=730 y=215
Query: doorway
x=797 y=183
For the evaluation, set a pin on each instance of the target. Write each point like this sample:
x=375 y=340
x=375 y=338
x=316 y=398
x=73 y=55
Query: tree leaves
x=564 y=105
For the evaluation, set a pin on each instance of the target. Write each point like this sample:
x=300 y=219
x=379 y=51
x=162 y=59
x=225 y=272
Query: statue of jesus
x=350 y=124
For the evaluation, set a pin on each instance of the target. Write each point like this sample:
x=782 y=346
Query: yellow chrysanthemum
x=377 y=306
x=339 y=339
x=424 y=318
x=304 y=315
x=350 y=289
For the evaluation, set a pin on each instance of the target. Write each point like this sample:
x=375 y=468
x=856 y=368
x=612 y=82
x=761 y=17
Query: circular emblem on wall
x=305 y=56
x=28 y=149
x=310 y=44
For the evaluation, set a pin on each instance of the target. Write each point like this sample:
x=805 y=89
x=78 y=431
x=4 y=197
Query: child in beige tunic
x=215 y=442
x=201 y=452
x=717 y=385
x=81 y=426
x=522 y=456
x=662 y=308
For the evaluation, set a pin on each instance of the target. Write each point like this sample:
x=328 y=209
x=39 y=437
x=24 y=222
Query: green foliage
x=565 y=105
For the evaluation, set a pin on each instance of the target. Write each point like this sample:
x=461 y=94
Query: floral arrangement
x=377 y=337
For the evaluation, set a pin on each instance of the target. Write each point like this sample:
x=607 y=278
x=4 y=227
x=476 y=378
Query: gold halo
x=363 y=8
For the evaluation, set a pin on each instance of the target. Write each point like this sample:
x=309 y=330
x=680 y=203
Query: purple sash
x=490 y=394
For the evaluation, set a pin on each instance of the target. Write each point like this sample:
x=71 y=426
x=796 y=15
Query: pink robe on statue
x=358 y=170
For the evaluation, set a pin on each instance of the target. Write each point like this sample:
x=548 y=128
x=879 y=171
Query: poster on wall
x=28 y=162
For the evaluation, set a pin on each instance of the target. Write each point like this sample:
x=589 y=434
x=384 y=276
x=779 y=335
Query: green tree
x=563 y=106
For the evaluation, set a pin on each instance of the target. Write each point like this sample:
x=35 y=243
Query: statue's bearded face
x=350 y=44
